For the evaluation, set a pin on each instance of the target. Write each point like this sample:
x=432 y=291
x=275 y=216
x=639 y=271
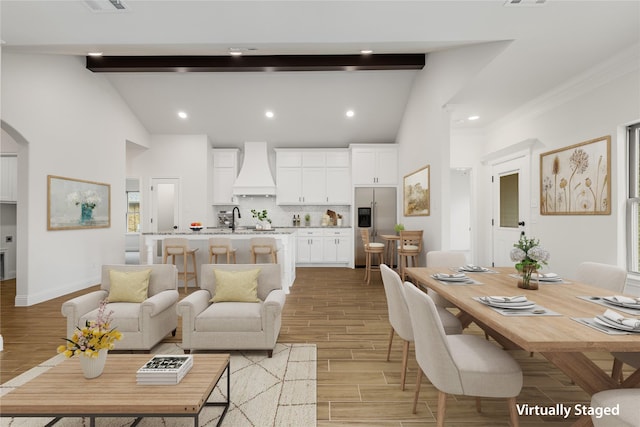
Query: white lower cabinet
x=324 y=246
x=309 y=246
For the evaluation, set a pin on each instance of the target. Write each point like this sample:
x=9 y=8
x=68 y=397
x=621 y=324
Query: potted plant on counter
x=264 y=223
x=307 y=220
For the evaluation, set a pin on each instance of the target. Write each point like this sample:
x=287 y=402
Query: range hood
x=255 y=177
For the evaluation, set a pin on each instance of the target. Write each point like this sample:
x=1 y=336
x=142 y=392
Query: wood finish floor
x=348 y=322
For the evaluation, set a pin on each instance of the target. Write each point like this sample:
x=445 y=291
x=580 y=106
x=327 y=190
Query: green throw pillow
x=236 y=286
x=128 y=286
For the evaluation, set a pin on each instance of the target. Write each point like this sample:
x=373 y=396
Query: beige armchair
x=142 y=324
x=232 y=324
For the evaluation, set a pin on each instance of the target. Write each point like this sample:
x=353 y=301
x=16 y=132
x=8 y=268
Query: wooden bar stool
x=264 y=246
x=371 y=248
x=221 y=246
x=409 y=247
x=178 y=246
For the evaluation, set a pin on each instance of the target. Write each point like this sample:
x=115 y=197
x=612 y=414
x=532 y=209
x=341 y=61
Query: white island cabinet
x=151 y=250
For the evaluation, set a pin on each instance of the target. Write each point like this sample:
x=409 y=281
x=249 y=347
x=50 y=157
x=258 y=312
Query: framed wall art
x=576 y=180
x=416 y=193
x=75 y=204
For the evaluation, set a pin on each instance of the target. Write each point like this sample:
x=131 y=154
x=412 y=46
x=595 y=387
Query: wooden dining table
x=559 y=338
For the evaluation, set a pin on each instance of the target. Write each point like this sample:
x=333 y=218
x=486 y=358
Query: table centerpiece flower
x=529 y=257
x=92 y=342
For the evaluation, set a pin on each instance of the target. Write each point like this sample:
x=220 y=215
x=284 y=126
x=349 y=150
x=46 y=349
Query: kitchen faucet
x=233 y=218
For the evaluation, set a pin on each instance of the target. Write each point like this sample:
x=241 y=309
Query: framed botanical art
x=416 y=193
x=75 y=204
x=576 y=180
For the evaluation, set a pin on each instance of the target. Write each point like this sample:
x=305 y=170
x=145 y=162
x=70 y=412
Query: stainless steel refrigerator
x=376 y=209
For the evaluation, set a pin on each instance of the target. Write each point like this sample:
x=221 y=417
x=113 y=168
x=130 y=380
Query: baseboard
x=31 y=299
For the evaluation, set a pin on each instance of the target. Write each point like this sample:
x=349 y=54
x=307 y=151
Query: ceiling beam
x=189 y=64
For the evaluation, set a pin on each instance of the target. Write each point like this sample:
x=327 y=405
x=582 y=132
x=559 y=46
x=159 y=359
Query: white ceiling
x=536 y=49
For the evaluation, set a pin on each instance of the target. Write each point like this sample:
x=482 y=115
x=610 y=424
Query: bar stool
x=371 y=248
x=409 y=247
x=264 y=246
x=178 y=246
x=221 y=246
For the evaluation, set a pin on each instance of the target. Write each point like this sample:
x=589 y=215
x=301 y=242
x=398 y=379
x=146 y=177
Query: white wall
x=596 y=104
x=424 y=134
x=75 y=125
x=175 y=156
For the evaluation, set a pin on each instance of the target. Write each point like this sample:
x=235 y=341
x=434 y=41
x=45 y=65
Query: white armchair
x=232 y=325
x=142 y=324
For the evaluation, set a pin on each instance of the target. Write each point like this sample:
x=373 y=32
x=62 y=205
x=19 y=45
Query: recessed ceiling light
x=473 y=117
x=182 y=114
x=234 y=51
x=350 y=113
x=94 y=53
x=269 y=114
x=366 y=51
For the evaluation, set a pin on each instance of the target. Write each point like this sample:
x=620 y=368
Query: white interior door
x=510 y=212
x=165 y=204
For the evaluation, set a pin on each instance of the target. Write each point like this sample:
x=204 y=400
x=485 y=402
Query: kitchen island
x=151 y=247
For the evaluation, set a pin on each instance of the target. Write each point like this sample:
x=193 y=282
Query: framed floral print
x=74 y=204
x=416 y=193
x=576 y=180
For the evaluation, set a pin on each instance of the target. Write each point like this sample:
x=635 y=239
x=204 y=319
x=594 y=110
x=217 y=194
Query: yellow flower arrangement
x=93 y=337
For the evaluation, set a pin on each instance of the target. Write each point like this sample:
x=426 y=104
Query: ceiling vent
x=100 y=6
x=525 y=2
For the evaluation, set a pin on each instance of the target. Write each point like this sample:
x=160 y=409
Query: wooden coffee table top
x=64 y=390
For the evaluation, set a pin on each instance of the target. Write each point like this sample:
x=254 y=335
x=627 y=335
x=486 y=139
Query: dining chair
x=459 y=364
x=409 y=247
x=613 y=279
x=626 y=399
x=370 y=249
x=221 y=246
x=179 y=246
x=400 y=319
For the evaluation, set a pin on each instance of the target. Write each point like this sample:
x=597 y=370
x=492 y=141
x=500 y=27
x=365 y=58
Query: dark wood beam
x=255 y=63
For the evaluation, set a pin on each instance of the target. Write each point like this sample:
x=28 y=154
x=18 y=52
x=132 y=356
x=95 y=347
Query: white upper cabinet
x=225 y=171
x=318 y=177
x=9 y=179
x=374 y=165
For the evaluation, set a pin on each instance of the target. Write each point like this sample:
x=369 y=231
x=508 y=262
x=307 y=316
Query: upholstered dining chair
x=370 y=249
x=409 y=247
x=179 y=246
x=459 y=364
x=613 y=279
x=219 y=246
x=626 y=398
x=401 y=321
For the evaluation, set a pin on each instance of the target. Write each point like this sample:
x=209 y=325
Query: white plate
x=473 y=270
x=450 y=278
x=610 y=300
x=614 y=325
x=511 y=305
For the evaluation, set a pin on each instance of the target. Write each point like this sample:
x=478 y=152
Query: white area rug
x=277 y=391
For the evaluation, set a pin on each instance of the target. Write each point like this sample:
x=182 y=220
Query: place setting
x=544 y=278
x=612 y=323
x=471 y=268
x=518 y=305
x=455 y=279
x=629 y=305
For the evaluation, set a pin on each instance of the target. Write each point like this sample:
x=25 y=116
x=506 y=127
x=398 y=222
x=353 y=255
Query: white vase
x=92 y=367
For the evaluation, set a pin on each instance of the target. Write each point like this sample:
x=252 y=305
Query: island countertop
x=151 y=247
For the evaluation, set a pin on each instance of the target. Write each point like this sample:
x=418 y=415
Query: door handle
x=521 y=223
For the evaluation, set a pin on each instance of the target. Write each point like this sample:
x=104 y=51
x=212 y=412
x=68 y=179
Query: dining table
x=559 y=327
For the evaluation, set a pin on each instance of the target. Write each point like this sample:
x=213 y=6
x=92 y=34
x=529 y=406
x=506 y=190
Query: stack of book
x=164 y=369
